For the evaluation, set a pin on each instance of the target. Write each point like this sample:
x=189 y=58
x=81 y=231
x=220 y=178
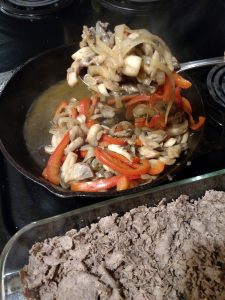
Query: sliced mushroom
x=72 y=73
x=94 y=134
x=122 y=129
x=129 y=88
x=103 y=90
x=78 y=172
x=56 y=139
x=70 y=160
x=74 y=145
x=184 y=138
x=120 y=150
x=67 y=122
x=157 y=135
x=174 y=151
x=84 y=128
x=90 y=154
x=85 y=55
x=81 y=119
x=96 y=165
x=147 y=141
x=90 y=80
x=148 y=152
x=75 y=132
x=107 y=111
x=167 y=160
x=170 y=142
x=178 y=129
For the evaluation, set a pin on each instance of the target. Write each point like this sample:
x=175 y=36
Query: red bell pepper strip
x=129 y=112
x=145 y=98
x=156 y=168
x=90 y=123
x=140 y=122
x=155 y=98
x=139 y=99
x=95 y=186
x=111 y=102
x=120 y=167
x=181 y=81
x=113 y=140
x=133 y=183
x=157 y=122
x=122 y=184
x=83 y=153
x=63 y=158
x=44 y=173
x=84 y=107
x=134 y=163
x=178 y=97
x=62 y=105
x=136 y=160
x=186 y=105
x=54 y=162
x=197 y=125
x=138 y=142
x=128 y=97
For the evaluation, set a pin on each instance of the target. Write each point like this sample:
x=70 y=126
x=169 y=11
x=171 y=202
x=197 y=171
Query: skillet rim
x=66 y=194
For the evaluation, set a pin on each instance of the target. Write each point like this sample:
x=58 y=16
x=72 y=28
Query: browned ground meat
x=173 y=251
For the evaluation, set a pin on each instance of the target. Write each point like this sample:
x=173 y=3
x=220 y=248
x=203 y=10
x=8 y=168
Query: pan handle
x=5 y=76
x=201 y=63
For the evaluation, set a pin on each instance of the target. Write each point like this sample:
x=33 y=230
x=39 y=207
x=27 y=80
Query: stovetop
x=192 y=29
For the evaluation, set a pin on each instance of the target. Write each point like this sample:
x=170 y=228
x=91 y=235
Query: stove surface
x=193 y=30
x=31 y=9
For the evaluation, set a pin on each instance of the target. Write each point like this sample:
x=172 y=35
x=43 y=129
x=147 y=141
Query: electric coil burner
x=32 y=9
x=216 y=84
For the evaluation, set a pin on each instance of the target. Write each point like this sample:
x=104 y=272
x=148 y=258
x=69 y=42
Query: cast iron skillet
x=31 y=80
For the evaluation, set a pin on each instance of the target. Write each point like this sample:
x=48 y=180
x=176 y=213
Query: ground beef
x=172 y=251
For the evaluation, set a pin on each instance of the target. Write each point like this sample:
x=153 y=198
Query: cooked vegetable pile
x=127 y=60
x=120 y=141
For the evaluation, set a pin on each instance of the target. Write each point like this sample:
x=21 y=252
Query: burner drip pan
x=32 y=9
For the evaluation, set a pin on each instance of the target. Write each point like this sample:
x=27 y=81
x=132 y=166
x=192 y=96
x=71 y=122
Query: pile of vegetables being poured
x=135 y=124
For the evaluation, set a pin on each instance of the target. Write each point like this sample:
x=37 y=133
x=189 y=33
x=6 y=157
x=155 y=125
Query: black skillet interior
x=27 y=84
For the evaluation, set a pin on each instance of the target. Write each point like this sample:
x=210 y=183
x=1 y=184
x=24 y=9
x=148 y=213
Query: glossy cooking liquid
x=40 y=115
